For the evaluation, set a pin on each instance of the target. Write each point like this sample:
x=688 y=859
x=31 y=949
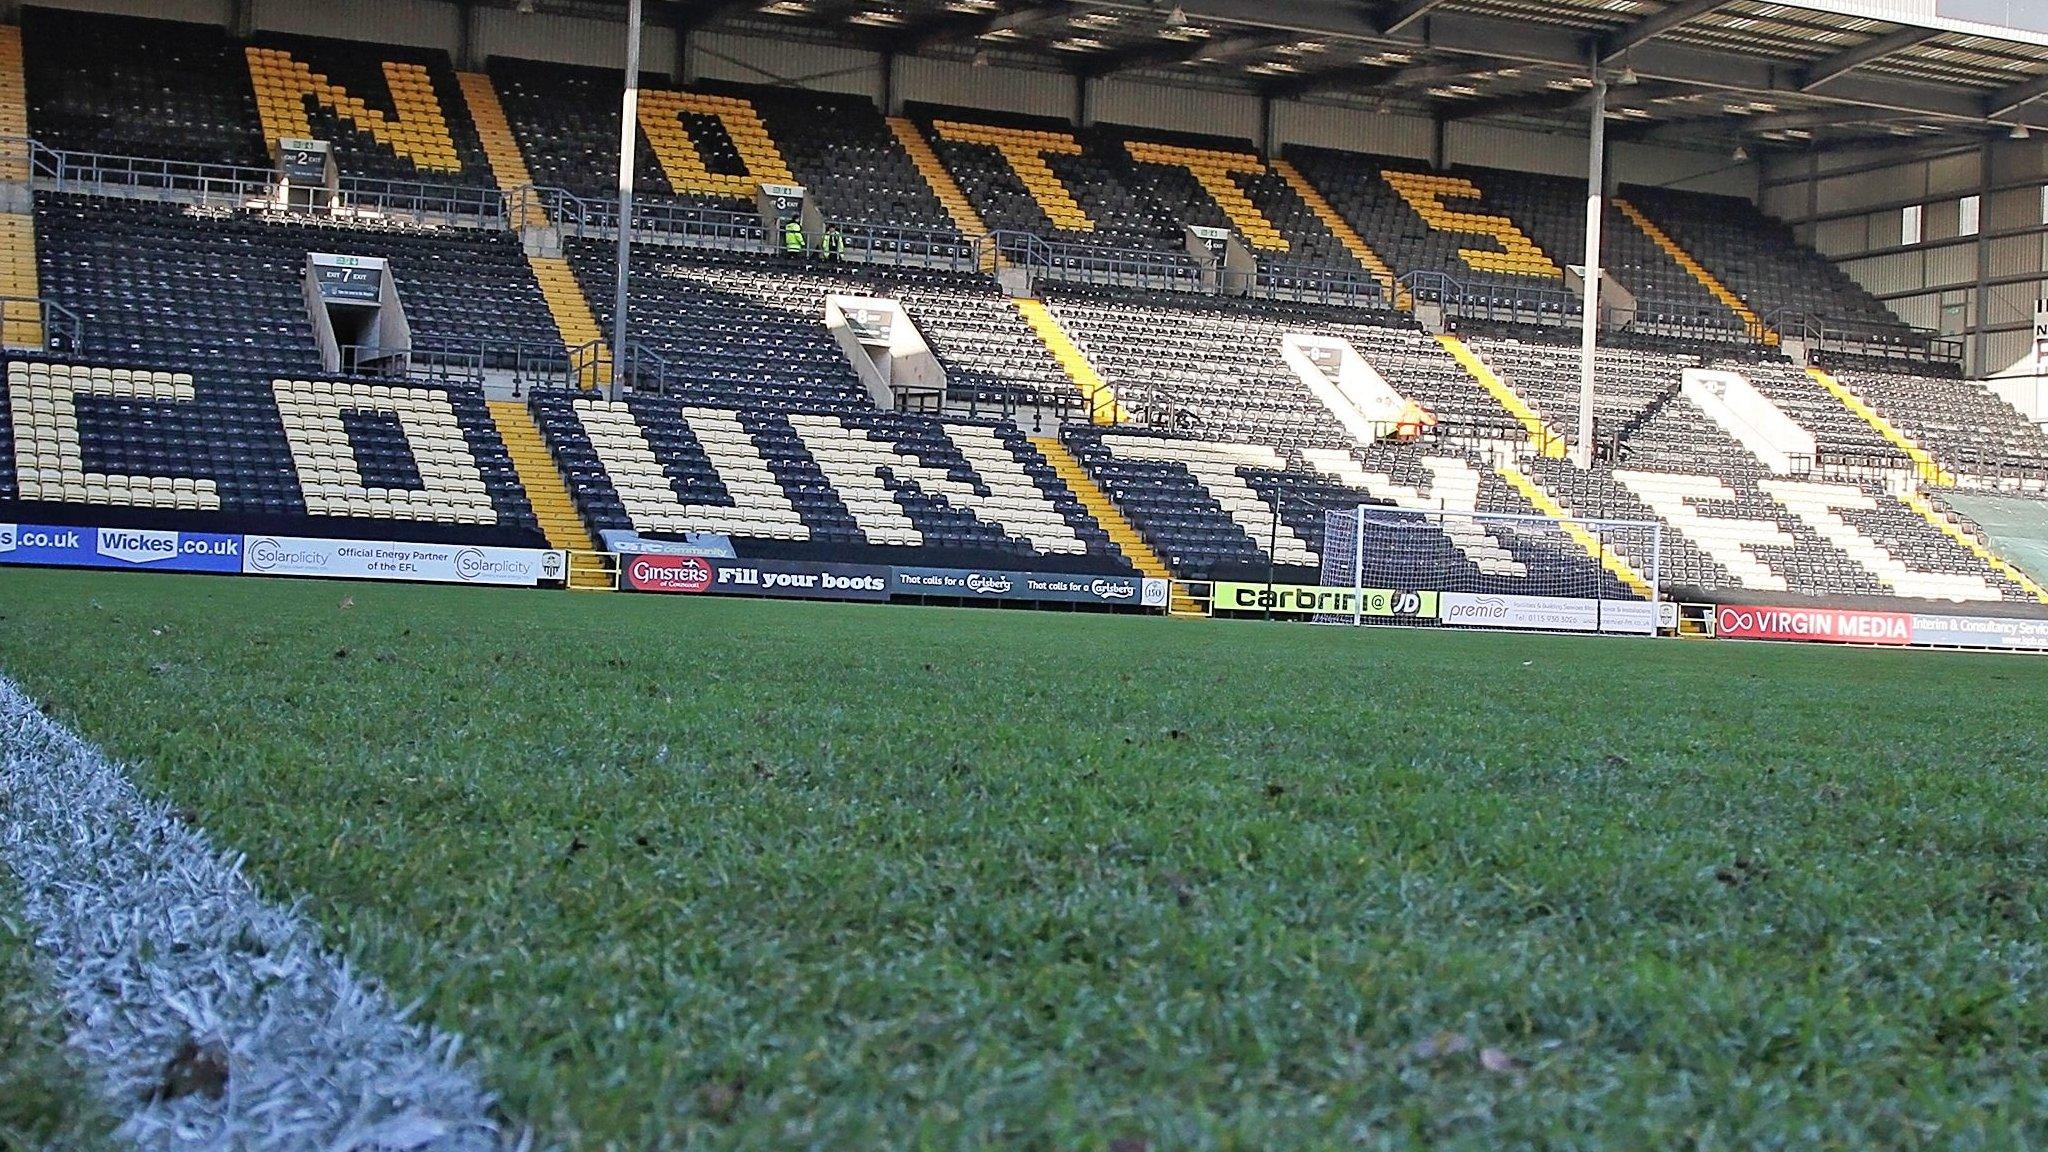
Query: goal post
x=1492 y=570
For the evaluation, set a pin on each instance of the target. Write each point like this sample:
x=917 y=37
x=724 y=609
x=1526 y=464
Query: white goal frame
x=1638 y=545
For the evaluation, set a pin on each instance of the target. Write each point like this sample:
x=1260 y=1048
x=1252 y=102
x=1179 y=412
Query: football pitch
x=742 y=874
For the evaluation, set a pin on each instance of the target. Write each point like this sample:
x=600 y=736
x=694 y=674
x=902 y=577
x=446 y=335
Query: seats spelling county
x=315 y=456
x=840 y=484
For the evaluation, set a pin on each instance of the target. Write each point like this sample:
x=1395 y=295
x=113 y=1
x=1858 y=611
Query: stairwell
x=1662 y=239
x=574 y=321
x=1545 y=441
x=1121 y=532
x=1096 y=392
x=21 y=317
x=1929 y=470
x=1346 y=235
x=549 y=494
x=958 y=208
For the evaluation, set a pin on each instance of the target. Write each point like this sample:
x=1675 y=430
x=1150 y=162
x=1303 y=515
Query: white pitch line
x=157 y=940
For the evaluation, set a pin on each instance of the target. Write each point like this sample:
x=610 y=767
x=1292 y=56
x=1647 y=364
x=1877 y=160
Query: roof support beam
x=1363 y=76
x=954 y=29
x=1401 y=13
x=1616 y=44
x=1870 y=51
x=704 y=13
x=2010 y=100
x=1495 y=42
x=1166 y=52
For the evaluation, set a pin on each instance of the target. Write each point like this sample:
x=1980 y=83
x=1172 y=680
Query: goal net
x=1491 y=570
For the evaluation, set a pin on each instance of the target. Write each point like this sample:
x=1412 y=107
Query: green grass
x=773 y=876
x=44 y=1101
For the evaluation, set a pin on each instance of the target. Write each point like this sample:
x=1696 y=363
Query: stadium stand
x=1179 y=426
x=710 y=148
x=1763 y=264
x=1843 y=440
x=314 y=456
x=1041 y=178
x=1436 y=223
x=134 y=87
x=1210 y=369
x=1208 y=506
x=1627 y=383
x=150 y=88
x=170 y=285
x=1971 y=430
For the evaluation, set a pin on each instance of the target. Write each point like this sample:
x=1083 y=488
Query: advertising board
x=692 y=575
x=1945 y=631
x=386 y=560
x=1045 y=587
x=161 y=550
x=1315 y=600
x=1549 y=613
x=1829 y=625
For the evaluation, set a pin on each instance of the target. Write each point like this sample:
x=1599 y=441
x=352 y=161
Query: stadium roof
x=1798 y=74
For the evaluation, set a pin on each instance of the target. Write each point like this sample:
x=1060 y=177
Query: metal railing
x=1893 y=345
x=41 y=324
x=1497 y=304
x=1094 y=264
x=1688 y=320
x=1310 y=284
x=239 y=185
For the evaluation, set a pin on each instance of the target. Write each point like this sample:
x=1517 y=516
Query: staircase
x=1924 y=463
x=573 y=318
x=1662 y=239
x=21 y=318
x=1345 y=234
x=1121 y=532
x=943 y=186
x=552 y=505
x=572 y=315
x=494 y=132
x=1100 y=397
x=1541 y=438
x=14 y=158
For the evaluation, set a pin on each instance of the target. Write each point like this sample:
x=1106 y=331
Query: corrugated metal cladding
x=1849 y=236
x=2013 y=304
x=1955 y=175
x=391 y=21
x=2015 y=256
x=569 y=40
x=1919 y=311
x=1353 y=129
x=820 y=67
x=1885 y=275
x=188 y=11
x=1176 y=109
x=962 y=85
x=1903 y=9
x=2012 y=208
x=1952 y=266
x=2004 y=348
x=2031 y=15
